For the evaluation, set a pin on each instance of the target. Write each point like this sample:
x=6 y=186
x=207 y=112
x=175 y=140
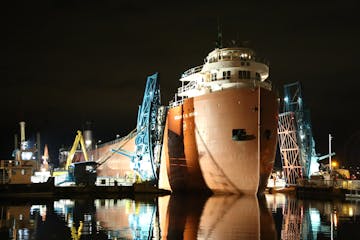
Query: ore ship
x=221 y=128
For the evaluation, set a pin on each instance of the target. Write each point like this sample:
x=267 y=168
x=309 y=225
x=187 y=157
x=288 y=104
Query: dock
x=328 y=189
x=49 y=190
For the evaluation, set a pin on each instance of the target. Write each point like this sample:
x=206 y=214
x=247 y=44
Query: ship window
x=257 y=75
x=242 y=63
x=244 y=74
x=226 y=56
x=213 y=77
x=226 y=75
x=247 y=63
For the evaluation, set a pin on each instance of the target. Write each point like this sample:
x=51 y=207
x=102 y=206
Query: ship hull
x=114 y=164
x=223 y=142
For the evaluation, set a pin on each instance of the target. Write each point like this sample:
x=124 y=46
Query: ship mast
x=219 y=36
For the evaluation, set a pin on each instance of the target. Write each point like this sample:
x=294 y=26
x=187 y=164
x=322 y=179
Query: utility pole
x=330 y=137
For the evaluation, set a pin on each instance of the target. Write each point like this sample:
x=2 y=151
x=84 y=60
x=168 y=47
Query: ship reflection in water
x=178 y=217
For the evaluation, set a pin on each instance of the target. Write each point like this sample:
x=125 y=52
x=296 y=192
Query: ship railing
x=252 y=81
x=109 y=142
x=192 y=71
x=238 y=58
x=176 y=103
x=256 y=83
x=117 y=140
x=266 y=84
x=187 y=87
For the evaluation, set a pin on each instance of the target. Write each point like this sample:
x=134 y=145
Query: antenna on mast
x=219 y=36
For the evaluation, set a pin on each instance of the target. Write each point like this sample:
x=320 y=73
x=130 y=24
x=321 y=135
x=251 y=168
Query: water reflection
x=181 y=217
x=314 y=219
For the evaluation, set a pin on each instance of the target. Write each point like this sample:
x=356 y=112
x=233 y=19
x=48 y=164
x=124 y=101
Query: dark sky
x=68 y=62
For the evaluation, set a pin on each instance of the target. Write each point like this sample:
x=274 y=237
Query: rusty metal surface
x=201 y=153
x=117 y=165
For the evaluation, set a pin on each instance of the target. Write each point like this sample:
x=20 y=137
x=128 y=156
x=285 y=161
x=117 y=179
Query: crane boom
x=325 y=156
x=78 y=139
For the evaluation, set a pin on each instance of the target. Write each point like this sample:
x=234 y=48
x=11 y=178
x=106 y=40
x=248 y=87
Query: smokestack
x=22 y=131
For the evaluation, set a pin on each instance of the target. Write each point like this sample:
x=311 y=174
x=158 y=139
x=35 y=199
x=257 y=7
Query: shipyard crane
x=78 y=139
x=71 y=170
x=145 y=160
x=296 y=142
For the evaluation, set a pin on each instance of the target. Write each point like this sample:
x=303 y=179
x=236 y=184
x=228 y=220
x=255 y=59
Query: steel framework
x=297 y=146
x=289 y=149
x=150 y=126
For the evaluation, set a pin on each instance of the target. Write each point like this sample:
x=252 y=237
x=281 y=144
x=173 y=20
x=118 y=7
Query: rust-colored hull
x=199 y=150
x=116 y=165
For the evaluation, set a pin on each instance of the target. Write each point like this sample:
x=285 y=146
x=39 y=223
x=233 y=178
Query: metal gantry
x=145 y=160
x=297 y=146
x=150 y=126
x=289 y=148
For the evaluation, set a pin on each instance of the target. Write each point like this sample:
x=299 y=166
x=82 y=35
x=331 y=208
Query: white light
x=88 y=142
x=26 y=155
x=286 y=99
x=315 y=220
x=335 y=219
x=24 y=145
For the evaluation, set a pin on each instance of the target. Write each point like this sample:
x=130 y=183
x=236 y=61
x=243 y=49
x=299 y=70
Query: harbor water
x=274 y=216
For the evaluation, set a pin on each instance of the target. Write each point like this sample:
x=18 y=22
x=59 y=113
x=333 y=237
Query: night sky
x=68 y=62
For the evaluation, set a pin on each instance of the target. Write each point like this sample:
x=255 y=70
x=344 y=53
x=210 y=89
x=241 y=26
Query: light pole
x=330 y=137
